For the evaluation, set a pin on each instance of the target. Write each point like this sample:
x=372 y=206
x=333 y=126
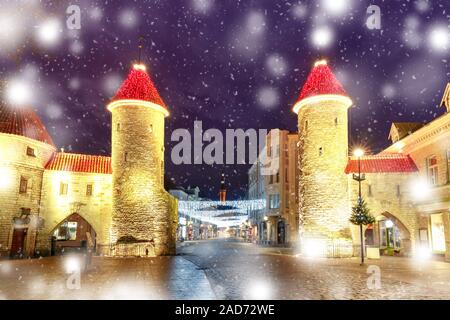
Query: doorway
x=18 y=242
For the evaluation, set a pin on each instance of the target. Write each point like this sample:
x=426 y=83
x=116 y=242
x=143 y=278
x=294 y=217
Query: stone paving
x=239 y=270
x=223 y=269
x=107 y=278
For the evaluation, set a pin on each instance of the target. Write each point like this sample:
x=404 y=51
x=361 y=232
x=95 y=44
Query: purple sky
x=212 y=61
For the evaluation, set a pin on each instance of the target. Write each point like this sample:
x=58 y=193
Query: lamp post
x=360 y=177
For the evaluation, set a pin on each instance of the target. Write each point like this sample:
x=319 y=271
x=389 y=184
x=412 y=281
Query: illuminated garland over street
x=225 y=213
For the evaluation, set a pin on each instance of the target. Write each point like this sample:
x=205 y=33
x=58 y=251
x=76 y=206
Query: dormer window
x=31 y=152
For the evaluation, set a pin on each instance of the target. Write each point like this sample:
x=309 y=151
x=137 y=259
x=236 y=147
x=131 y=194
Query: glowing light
x=266 y=218
x=13 y=28
x=399 y=145
x=389 y=223
x=358 y=152
x=18 y=92
x=276 y=64
x=420 y=189
x=128 y=18
x=322 y=98
x=320 y=63
x=202 y=6
x=49 y=32
x=72 y=264
x=336 y=7
x=139 y=67
x=322 y=36
x=132 y=102
x=314 y=248
x=439 y=38
x=6 y=178
x=268 y=97
x=259 y=290
x=299 y=11
x=423 y=253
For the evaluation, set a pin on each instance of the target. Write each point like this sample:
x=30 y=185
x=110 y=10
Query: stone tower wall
x=143 y=218
x=324 y=207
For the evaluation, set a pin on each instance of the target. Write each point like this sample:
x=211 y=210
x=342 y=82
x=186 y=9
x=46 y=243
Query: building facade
x=57 y=201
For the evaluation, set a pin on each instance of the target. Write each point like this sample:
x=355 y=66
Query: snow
x=49 y=32
x=322 y=36
x=268 y=97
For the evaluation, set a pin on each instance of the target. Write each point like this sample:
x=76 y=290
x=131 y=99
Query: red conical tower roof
x=321 y=81
x=23 y=121
x=139 y=86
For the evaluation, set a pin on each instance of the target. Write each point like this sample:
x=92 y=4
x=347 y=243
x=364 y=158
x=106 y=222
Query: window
x=151 y=128
x=89 y=188
x=286 y=176
x=432 y=170
x=125 y=156
x=66 y=231
x=336 y=122
x=118 y=127
x=271 y=179
x=277 y=177
x=398 y=191
x=306 y=125
x=30 y=152
x=23 y=187
x=320 y=151
x=63 y=187
x=287 y=201
x=274 y=201
x=369 y=190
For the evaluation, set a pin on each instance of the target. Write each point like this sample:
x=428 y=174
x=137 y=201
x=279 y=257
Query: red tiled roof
x=382 y=164
x=62 y=161
x=321 y=81
x=139 y=86
x=23 y=121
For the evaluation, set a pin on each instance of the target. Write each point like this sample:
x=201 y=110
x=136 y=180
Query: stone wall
x=14 y=164
x=95 y=208
x=389 y=197
x=323 y=186
x=141 y=208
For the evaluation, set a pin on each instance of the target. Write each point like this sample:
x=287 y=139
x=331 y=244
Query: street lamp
x=360 y=177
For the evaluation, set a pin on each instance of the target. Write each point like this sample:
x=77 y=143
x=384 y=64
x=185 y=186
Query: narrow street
x=222 y=269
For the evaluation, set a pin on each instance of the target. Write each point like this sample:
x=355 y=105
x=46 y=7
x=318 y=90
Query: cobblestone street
x=223 y=269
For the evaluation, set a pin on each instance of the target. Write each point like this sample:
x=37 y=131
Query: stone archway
x=74 y=233
x=404 y=233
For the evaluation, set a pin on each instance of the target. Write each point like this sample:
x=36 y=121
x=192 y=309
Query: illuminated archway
x=74 y=233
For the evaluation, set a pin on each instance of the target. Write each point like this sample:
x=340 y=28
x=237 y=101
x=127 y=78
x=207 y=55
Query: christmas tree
x=361 y=214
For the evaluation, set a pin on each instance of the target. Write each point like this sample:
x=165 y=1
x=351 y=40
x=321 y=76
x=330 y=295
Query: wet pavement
x=224 y=269
x=240 y=270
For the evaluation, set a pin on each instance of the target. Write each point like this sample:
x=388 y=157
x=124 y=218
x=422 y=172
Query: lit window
x=66 y=231
x=63 y=188
x=274 y=201
x=89 y=189
x=23 y=185
x=432 y=170
x=30 y=152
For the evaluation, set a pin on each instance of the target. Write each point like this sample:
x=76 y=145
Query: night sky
x=231 y=64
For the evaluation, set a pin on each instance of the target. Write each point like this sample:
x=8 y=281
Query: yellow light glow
x=321 y=98
x=399 y=145
x=314 y=248
x=6 y=178
x=358 y=152
x=138 y=66
x=130 y=102
x=420 y=189
x=322 y=62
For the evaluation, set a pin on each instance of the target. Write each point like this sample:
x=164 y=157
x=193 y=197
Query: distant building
x=278 y=223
